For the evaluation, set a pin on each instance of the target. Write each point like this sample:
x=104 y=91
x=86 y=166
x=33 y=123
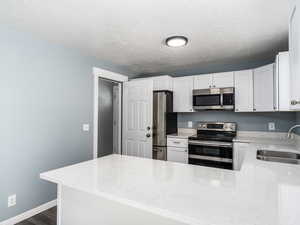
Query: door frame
x=115 y=77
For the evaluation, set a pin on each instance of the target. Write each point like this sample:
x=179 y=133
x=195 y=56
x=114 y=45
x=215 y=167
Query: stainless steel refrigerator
x=164 y=122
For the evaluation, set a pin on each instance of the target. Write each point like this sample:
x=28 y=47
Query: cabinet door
x=183 y=94
x=294 y=45
x=162 y=83
x=203 y=81
x=264 y=88
x=221 y=80
x=282 y=82
x=177 y=155
x=239 y=152
x=243 y=91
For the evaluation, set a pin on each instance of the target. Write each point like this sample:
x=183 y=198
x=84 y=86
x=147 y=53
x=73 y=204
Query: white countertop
x=262 y=193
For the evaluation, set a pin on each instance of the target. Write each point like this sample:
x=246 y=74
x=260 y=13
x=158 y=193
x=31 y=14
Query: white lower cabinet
x=239 y=151
x=177 y=149
x=179 y=155
x=183 y=94
x=264 y=89
x=244 y=91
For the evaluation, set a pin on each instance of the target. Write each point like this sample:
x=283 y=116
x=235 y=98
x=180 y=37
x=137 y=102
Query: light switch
x=12 y=200
x=86 y=127
x=190 y=124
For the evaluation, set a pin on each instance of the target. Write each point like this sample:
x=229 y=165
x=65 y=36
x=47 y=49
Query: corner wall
x=46 y=94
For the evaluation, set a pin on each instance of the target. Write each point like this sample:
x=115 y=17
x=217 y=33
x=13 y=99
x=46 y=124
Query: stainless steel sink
x=276 y=156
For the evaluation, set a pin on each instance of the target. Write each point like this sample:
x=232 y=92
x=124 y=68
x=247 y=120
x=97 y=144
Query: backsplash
x=246 y=121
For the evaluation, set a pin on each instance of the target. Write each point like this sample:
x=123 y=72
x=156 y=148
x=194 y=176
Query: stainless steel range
x=213 y=145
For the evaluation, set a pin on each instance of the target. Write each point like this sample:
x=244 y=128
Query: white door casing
x=137 y=120
x=105 y=74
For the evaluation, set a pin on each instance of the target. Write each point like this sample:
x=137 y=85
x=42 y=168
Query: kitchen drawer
x=179 y=155
x=177 y=142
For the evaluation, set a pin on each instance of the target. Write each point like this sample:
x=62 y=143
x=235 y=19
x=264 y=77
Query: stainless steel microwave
x=213 y=99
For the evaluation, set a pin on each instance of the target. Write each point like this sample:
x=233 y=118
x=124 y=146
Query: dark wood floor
x=47 y=217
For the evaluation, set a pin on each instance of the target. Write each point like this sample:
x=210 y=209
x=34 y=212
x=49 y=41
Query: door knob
x=148 y=135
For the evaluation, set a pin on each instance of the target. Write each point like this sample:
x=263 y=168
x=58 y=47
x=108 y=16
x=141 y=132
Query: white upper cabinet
x=183 y=94
x=282 y=82
x=221 y=80
x=243 y=91
x=203 y=81
x=162 y=83
x=294 y=49
x=264 y=88
x=216 y=80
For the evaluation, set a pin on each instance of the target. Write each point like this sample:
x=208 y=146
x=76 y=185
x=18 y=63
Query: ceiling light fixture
x=176 y=41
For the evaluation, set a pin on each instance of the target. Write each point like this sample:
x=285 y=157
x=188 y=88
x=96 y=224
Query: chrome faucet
x=290 y=131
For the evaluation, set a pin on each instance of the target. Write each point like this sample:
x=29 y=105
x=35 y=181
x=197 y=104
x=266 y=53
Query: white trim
x=29 y=213
x=106 y=74
x=100 y=73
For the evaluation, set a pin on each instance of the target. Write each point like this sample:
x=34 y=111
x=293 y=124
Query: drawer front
x=179 y=155
x=177 y=142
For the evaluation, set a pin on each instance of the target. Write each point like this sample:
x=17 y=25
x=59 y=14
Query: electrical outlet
x=271 y=126
x=11 y=200
x=86 y=127
x=190 y=124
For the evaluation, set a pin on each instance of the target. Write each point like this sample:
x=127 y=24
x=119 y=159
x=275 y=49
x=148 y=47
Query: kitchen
x=161 y=120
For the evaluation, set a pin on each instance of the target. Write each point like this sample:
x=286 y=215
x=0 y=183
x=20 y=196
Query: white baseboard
x=29 y=213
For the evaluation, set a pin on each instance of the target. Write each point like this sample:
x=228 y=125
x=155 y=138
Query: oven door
x=212 y=154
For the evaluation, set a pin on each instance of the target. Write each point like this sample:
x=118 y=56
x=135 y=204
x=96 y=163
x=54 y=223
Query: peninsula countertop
x=261 y=193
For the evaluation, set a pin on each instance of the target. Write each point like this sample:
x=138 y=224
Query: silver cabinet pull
x=294 y=102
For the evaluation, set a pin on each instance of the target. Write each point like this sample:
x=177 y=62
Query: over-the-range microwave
x=213 y=99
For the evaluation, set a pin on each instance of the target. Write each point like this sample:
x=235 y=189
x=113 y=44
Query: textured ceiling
x=130 y=34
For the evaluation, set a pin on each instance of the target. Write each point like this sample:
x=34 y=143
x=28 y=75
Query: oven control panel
x=217 y=126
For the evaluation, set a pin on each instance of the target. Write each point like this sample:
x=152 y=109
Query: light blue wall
x=246 y=121
x=46 y=94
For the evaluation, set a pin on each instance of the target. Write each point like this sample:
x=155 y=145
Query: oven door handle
x=213 y=144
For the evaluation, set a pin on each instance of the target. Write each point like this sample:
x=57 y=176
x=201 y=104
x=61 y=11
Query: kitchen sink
x=277 y=156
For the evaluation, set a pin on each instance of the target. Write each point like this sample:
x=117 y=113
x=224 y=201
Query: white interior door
x=137 y=120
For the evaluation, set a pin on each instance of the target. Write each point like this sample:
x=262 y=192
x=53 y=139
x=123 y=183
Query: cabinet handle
x=294 y=102
x=254 y=109
x=176 y=142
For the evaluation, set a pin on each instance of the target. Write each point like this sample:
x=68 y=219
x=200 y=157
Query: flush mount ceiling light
x=176 y=41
